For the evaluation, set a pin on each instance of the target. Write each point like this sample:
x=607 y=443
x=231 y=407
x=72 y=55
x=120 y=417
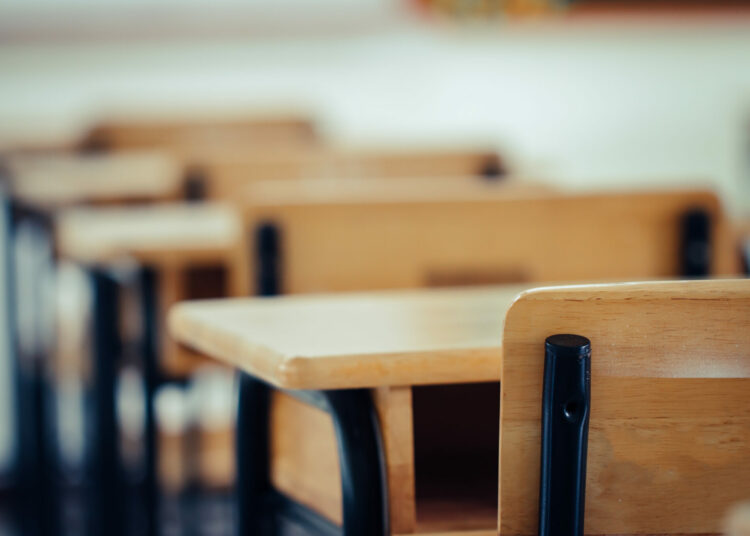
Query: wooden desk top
x=152 y=234
x=355 y=340
x=51 y=181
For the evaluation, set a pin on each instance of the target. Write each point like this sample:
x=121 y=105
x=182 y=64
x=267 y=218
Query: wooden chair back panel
x=228 y=174
x=341 y=247
x=669 y=438
x=181 y=135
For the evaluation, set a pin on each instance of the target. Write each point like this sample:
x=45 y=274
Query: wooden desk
x=429 y=361
x=353 y=340
x=192 y=247
x=53 y=181
x=165 y=234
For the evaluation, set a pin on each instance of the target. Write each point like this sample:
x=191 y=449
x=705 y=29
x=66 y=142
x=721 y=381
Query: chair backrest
x=669 y=429
x=185 y=134
x=490 y=235
x=64 y=179
x=227 y=170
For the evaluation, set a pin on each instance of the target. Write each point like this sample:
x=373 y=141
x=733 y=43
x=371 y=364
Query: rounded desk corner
x=176 y=320
x=289 y=373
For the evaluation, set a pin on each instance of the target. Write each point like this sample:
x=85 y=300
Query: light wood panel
x=183 y=135
x=56 y=180
x=161 y=235
x=170 y=238
x=394 y=407
x=349 y=240
x=228 y=170
x=304 y=462
x=669 y=440
x=460 y=533
x=358 y=340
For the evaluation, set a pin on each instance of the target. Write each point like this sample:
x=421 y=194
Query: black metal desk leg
x=149 y=354
x=565 y=425
x=362 y=462
x=107 y=501
x=252 y=457
x=27 y=249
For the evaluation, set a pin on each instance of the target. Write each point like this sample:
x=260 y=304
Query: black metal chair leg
x=26 y=241
x=149 y=346
x=362 y=462
x=107 y=490
x=252 y=457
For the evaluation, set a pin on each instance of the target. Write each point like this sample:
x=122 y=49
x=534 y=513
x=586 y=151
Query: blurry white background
x=585 y=102
x=601 y=103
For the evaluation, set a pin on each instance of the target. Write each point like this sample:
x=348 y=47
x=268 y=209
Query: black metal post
x=267 y=255
x=195 y=184
x=26 y=239
x=149 y=355
x=252 y=456
x=261 y=510
x=565 y=419
x=696 y=243
x=362 y=462
x=107 y=490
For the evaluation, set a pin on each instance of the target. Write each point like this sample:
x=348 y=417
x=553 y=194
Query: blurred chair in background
x=182 y=136
x=342 y=235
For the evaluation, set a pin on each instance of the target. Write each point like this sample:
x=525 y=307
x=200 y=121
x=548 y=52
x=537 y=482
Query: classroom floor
x=192 y=514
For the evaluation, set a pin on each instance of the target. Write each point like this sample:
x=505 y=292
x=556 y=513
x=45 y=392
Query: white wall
x=584 y=102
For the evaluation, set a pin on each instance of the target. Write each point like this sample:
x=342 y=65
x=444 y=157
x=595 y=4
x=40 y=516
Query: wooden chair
x=355 y=235
x=649 y=422
x=227 y=170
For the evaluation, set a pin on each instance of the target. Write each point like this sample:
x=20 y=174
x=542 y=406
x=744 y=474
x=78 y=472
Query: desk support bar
x=267 y=254
x=566 y=405
x=363 y=481
x=149 y=343
x=108 y=493
x=27 y=248
x=696 y=244
x=361 y=458
x=252 y=456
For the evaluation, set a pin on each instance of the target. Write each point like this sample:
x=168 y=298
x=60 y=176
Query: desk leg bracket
x=360 y=454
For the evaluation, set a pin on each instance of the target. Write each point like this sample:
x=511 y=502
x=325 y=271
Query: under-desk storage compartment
x=440 y=444
x=456 y=456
